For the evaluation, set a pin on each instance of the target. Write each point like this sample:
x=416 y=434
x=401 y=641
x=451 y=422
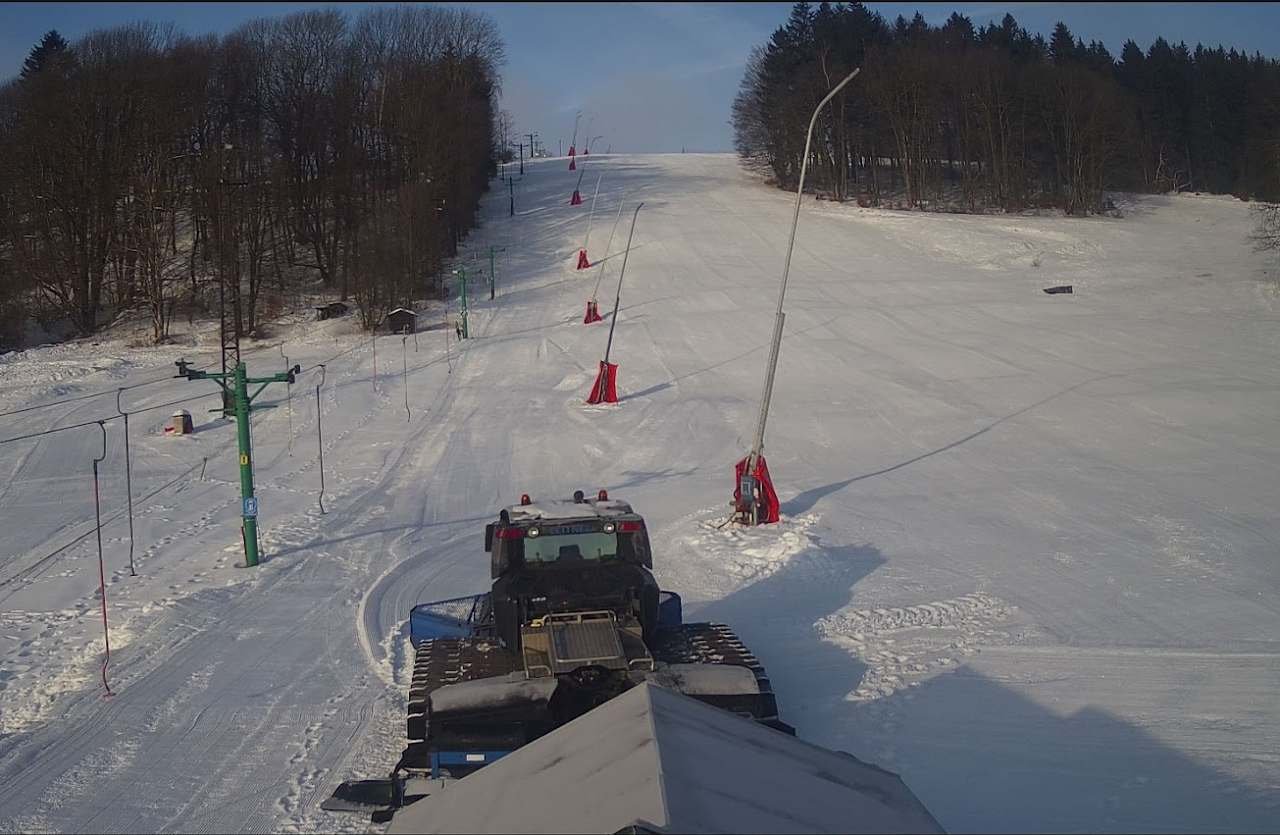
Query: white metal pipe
x=757 y=446
x=592 y=213
x=617 y=301
x=607 y=246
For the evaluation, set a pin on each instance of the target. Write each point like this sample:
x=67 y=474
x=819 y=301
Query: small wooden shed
x=179 y=424
x=402 y=320
x=332 y=310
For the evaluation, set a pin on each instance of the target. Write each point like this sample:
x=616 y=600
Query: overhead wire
x=52 y=403
x=81 y=397
x=30 y=570
x=32 y=435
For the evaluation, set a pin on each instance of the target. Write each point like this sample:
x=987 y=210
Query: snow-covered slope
x=1028 y=559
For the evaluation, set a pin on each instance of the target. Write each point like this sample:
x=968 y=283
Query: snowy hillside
x=1028 y=558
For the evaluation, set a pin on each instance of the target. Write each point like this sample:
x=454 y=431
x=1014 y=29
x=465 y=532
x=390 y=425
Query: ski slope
x=1028 y=555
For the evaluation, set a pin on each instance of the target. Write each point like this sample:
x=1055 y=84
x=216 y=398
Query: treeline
x=147 y=168
x=998 y=117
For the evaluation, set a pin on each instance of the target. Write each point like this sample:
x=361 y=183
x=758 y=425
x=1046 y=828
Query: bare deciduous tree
x=148 y=166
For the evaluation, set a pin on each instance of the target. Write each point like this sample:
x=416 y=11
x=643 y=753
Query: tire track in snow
x=903 y=645
x=139 y=675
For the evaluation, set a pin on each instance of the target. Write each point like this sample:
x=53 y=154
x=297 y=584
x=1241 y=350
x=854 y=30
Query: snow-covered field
x=1028 y=559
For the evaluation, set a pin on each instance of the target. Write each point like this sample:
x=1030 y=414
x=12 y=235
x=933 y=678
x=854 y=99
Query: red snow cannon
x=593 y=312
x=754 y=499
x=576 y=199
x=605 y=389
x=583 y=263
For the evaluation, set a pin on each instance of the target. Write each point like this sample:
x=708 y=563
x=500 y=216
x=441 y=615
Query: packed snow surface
x=1028 y=558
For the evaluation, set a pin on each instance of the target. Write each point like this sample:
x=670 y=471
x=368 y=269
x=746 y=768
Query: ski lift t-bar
x=757 y=446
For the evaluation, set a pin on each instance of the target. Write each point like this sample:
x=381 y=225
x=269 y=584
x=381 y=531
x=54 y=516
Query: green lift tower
x=236 y=391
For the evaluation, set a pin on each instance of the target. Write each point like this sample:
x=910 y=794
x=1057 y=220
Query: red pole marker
x=605 y=389
x=583 y=263
x=577 y=197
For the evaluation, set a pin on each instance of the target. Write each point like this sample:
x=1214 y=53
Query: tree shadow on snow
x=774 y=618
x=980 y=755
x=338 y=540
x=319 y=543
x=805 y=501
x=632 y=478
x=984 y=757
x=654 y=389
x=657 y=387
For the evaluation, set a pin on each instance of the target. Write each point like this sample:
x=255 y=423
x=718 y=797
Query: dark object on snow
x=332 y=310
x=657 y=755
x=365 y=795
x=1061 y=288
x=574 y=617
x=576 y=687
x=402 y=320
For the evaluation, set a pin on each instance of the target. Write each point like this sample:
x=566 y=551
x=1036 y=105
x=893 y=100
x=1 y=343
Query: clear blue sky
x=659 y=76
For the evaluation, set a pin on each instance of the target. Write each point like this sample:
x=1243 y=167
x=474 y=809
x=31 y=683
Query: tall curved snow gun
x=576 y=199
x=583 y=262
x=572 y=142
x=605 y=389
x=754 y=500
x=593 y=307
